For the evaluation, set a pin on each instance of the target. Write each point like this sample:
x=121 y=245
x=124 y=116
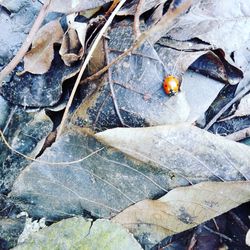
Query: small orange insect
x=171 y=85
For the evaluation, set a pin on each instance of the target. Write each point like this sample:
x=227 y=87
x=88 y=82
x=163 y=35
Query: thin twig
x=218 y=233
x=89 y=56
x=26 y=44
x=239 y=135
x=111 y=85
x=137 y=18
x=45 y=162
x=228 y=105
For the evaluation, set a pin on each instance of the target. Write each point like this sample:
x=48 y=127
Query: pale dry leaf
x=38 y=60
x=184 y=149
x=224 y=24
x=248 y=238
x=183 y=208
x=71 y=6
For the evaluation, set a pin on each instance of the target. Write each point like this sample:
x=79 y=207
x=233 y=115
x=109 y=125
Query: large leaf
x=78 y=233
x=224 y=24
x=137 y=84
x=183 y=208
x=100 y=183
x=186 y=150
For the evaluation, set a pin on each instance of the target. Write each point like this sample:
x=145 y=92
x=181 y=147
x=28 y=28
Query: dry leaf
x=224 y=24
x=71 y=6
x=183 y=208
x=186 y=150
x=73 y=42
x=38 y=60
x=248 y=238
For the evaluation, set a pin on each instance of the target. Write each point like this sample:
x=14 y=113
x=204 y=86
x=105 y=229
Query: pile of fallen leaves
x=95 y=154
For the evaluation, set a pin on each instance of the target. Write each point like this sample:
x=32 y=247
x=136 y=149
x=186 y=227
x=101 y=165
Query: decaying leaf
x=183 y=208
x=38 y=60
x=78 y=233
x=186 y=150
x=71 y=6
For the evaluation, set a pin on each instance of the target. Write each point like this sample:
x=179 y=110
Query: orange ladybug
x=171 y=85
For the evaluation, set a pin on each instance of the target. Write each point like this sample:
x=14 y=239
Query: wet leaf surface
x=78 y=233
x=183 y=208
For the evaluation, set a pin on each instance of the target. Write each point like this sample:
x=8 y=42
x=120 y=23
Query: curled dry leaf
x=38 y=60
x=183 y=208
x=73 y=42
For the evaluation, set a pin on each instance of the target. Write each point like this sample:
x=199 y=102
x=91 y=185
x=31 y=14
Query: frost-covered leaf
x=78 y=233
x=38 y=60
x=186 y=150
x=183 y=208
x=224 y=24
x=71 y=6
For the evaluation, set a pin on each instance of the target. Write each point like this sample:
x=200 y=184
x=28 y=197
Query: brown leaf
x=38 y=59
x=73 y=42
x=183 y=208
